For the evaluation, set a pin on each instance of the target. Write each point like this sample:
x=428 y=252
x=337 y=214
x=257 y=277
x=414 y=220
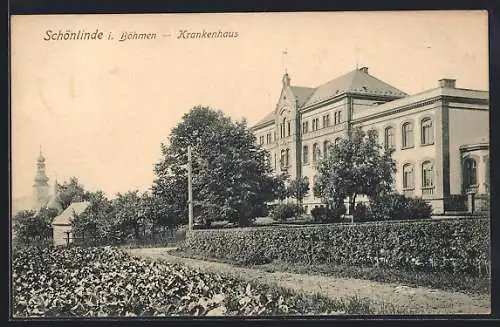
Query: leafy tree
x=298 y=188
x=168 y=203
x=96 y=223
x=70 y=192
x=356 y=166
x=129 y=214
x=280 y=187
x=30 y=225
x=230 y=172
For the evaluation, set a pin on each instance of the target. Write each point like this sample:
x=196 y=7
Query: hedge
x=444 y=245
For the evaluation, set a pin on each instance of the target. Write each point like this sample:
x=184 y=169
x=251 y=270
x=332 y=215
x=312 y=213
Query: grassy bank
x=438 y=280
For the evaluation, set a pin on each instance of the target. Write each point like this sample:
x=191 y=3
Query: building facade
x=440 y=136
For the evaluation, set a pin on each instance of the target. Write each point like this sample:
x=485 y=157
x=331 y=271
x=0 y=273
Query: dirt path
x=413 y=300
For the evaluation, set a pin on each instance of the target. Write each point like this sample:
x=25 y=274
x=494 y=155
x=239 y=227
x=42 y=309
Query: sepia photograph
x=286 y=164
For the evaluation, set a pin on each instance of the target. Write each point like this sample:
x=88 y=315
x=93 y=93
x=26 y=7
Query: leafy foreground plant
x=108 y=282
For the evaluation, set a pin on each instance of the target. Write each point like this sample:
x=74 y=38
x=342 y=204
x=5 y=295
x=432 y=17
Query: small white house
x=61 y=225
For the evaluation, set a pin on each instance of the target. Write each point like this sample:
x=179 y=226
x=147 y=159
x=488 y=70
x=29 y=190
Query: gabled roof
x=302 y=94
x=357 y=81
x=65 y=217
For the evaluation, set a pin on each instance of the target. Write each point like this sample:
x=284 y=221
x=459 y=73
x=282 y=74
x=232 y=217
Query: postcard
x=250 y=164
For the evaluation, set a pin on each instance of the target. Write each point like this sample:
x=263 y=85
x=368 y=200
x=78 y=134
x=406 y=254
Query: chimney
x=364 y=70
x=447 y=83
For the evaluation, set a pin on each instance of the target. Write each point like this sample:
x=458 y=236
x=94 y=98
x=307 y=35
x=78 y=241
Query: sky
x=101 y=108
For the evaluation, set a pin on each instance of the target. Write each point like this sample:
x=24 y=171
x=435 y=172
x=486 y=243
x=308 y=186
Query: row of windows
x=326 y=122
x=285 y=128
x=316 y=151
x=407 y=133
x=427 y=175
x=268 y=138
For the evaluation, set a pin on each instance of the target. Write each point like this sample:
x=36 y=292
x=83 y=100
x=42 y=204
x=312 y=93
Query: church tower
x=41 y=182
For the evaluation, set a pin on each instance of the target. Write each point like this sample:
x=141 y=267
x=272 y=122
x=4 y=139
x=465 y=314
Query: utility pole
x=190 y=190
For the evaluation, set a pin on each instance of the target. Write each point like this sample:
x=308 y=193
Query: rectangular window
x=337 y=117
x=305 y=154
x=268 y=138
x=289 y=129
x=326 y=121
x=305 y=127
x=261 y=140
x=315 y=124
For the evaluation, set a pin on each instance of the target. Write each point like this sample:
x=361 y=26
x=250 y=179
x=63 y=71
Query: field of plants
x=107 y=282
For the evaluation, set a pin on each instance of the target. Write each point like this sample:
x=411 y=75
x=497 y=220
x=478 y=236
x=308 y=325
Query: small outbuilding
x=61 y=225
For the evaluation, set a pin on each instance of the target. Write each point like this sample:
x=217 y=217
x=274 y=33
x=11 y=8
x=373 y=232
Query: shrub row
x=393 y=207
x=443 y=245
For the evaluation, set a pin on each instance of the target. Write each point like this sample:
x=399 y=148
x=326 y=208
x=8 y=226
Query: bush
x=362 y=213
x=398 y=207
x=285 y=211
x=328 y=215
x=433 y=245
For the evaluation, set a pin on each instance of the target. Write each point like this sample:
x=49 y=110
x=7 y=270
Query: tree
x=231 y=174
x=70 y=192
x=298 y=188
x=129 y=214
x=356 y=166
x=30 y=225
x=96 y=223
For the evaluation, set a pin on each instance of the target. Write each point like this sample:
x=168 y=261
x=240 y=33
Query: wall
x=466 y=126
x=60 y=235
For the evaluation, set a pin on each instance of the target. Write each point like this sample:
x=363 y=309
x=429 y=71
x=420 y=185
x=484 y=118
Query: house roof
x=357 y=81
x=302 y=94
x=65 y=217
x=269 y=117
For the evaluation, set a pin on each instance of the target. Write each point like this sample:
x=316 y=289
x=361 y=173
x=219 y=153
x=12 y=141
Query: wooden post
x=190 y=189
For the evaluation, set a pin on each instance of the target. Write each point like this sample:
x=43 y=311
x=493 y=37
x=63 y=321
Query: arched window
x=407 y=135
x=389 y=138
x=282 y=128
x=305 y=154
x=470 y=172
x=337 y=141
x=315 y=152
x=283 y=158
x=427 y=131
x=326 y=145
x=408 y=180
x=287 y=158
x=289 y=129
x=427 y=174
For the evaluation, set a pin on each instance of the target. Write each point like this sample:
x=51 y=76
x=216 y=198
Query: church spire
x=41 y=184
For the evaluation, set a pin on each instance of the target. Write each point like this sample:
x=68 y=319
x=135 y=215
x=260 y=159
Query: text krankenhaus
x=185 y=34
